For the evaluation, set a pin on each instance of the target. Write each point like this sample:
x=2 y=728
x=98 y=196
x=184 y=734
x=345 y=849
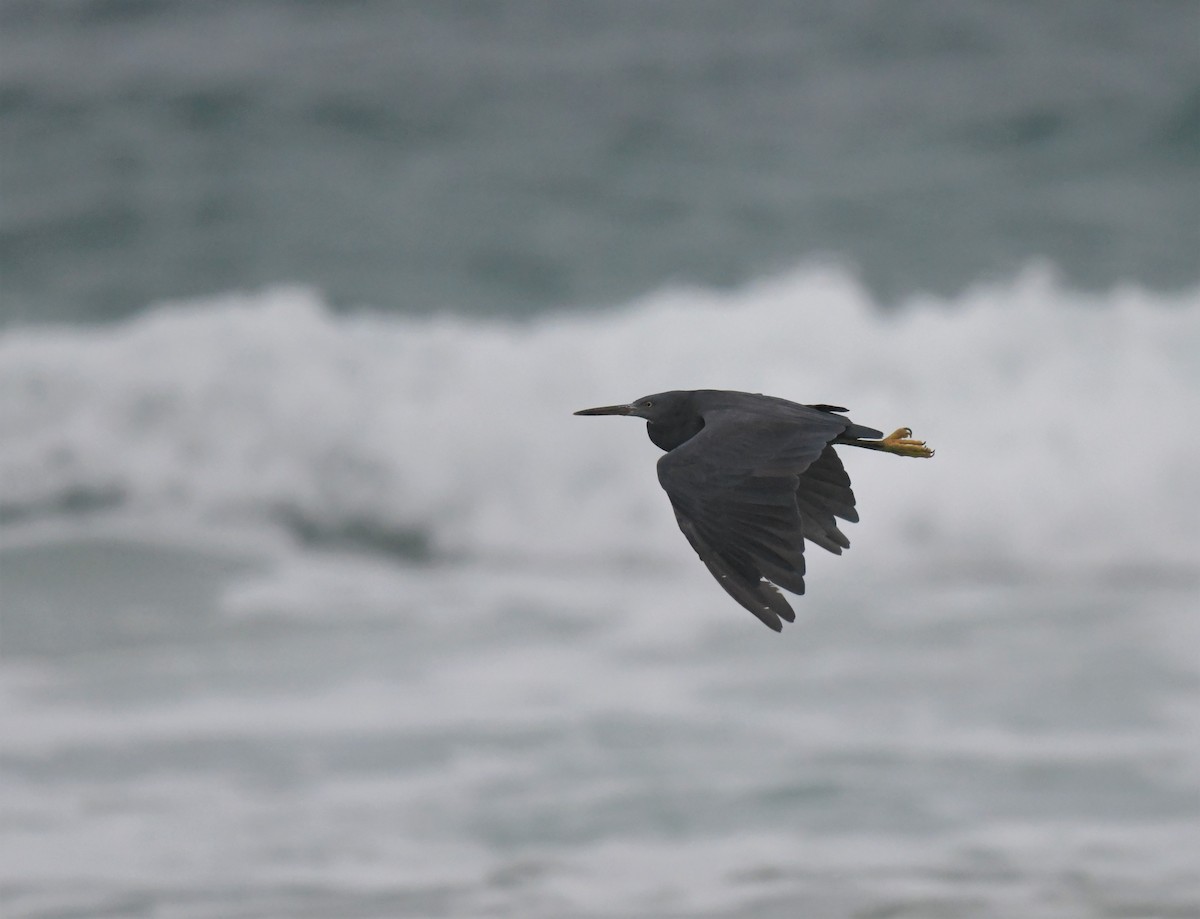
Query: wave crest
x=1062 y=419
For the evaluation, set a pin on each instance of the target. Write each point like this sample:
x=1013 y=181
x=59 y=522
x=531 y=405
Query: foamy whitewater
x=361 y=621
x=1061 y=418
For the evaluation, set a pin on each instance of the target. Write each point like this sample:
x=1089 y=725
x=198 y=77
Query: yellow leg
x=901 y=443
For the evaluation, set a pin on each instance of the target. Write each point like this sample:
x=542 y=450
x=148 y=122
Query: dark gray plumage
x=751 y=477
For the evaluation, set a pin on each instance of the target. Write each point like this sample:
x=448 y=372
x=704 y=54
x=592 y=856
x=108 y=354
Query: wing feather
x=824 y=493
x=748 y=490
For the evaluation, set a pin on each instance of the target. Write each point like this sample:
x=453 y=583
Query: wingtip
x=769 y=617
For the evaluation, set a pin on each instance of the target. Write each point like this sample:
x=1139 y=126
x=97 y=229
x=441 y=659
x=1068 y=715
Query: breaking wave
x=1064 y=421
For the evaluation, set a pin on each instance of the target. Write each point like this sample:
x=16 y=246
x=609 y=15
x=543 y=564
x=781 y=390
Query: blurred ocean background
x=316 y=601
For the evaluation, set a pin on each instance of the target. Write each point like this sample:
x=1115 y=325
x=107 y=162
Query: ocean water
x=316 y=600
x=528 y=156
x=309 y=614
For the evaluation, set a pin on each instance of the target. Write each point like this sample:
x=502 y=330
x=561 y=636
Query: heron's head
x=671 y=417
x=659 y=408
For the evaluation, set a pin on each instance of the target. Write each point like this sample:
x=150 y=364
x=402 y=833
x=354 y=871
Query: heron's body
x=751 y=477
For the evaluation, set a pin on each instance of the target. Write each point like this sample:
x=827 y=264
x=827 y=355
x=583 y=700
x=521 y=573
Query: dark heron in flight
x=751 y=477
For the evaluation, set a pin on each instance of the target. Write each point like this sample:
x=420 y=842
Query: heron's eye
x=648 y=404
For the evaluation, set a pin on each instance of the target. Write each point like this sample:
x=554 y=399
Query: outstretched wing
x=747 y=490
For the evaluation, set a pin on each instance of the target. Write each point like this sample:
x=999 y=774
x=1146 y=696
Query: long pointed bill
x=607 y=410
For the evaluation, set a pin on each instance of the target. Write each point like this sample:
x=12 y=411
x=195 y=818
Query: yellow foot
x=901 y=443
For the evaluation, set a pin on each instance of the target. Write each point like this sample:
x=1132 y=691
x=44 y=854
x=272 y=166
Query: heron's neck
x=669 y=435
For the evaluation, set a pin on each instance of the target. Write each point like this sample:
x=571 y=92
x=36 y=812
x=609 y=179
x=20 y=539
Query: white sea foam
x=1064 y=421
